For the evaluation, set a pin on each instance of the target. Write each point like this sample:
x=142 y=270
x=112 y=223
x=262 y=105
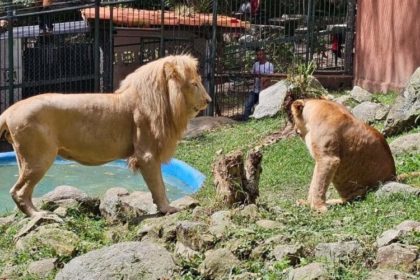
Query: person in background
x=45 y=22
x=260 y=68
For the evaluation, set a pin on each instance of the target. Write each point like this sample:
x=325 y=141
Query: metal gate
x=93 y=44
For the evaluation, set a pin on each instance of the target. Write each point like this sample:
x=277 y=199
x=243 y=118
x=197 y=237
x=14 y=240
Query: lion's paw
x=168 y=210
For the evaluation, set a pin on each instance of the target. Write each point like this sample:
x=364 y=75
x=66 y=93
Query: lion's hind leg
x=32 y=167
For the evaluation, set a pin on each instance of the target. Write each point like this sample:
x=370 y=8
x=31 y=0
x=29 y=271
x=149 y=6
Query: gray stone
x=118 y=205
x=397 y=256
x=289 y=252
x=396 y=188
x=194 y=235
x=343 y=99
x=64 y=192
x=219 y=222
x=312 y=271
x=249 y=211
x=201 y=125
x=129 y=260
x=31 y=224
x=62 y=242
x=161 y=228
x=406 y=110
x=184 y=252
x=186 y=202
x=388 y=237
x=408 y=225
x=218 y=264
x=6 y=221
x=367 y=111
x=43 y=267
x=389 y=274
x=271 y=100
x=406 y=144
x=361 y=95
x=338 y=251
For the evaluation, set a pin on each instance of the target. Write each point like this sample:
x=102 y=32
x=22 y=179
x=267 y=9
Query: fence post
x=96 y=47
x=10 y=74
x=351 y=14
x=162 y=28
x=212 y=62
x=310 y=30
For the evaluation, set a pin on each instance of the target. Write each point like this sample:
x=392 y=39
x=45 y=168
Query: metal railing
x=93 y=44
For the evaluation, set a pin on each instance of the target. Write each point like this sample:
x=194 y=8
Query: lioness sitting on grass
x=142 y=122
x=349 y=153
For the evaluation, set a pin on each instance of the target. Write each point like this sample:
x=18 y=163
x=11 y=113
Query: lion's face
x=196 y=96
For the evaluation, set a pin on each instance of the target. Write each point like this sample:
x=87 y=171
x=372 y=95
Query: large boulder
x=200 y=125
x=361 y=95
x=406 y=110
x=409 y=143
x=129 y=260
x=271 y=100
x=367 y=111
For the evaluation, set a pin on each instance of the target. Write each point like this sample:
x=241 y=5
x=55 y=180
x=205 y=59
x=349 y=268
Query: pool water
x=94 y=180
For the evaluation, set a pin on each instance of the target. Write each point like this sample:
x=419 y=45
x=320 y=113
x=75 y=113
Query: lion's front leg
x=324 y=171
x=152 y=174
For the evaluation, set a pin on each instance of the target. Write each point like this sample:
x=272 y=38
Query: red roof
x=136 y=17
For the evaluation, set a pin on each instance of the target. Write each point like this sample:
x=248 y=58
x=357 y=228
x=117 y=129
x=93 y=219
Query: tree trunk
x=236 y=183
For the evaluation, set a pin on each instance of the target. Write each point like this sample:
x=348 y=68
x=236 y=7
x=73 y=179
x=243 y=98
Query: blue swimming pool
x=180 y=178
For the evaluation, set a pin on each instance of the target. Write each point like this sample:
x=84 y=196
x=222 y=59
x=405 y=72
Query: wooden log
x=236 y=184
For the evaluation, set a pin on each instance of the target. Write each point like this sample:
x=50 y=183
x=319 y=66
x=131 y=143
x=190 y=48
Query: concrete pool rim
x=187 y=174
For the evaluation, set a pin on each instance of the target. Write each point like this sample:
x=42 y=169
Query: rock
x=361 y=95
x=33 y=223
x=271 y=100
x=218 y=264
x=388 y=274
x=62 y=242
x=249 y=211
x=312 y=271
x=220 y=222
x=6 y=221
x=244 y=276
x=184 y=252
x=194 y=235
x=406 y=110
x=64 y=192
x=43 y=267
x=128 y=260
x=343 y=99
x=289 y=252
x=408 y=226
x=367 y=111
x=11 y=272
x=338 y=251
x=161 y=228
x=388 y=237
x=268 y=224
x=201 y=125
x=397 y=256
x=396 y=188
x=186 y=202
x=382 y=112
x=406 y=144
x=118 y=205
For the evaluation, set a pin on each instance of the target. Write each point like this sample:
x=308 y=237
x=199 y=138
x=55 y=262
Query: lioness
x=347 y=152
x=142 y=122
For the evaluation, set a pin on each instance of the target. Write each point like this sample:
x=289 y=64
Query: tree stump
x=237 y=182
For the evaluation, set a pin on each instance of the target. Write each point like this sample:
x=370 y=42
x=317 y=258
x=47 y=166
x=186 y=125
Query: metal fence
x=90 y=45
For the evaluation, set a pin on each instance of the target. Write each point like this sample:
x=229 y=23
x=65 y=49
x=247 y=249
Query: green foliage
x=300 y=76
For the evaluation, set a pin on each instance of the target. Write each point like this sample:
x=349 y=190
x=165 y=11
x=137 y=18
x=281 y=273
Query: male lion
x=352 y=155
x=142 y=121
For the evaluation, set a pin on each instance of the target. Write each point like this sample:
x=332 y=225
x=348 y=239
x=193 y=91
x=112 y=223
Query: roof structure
x=143 y=18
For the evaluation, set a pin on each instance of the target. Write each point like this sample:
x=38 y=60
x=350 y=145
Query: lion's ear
x=170 y=71
x=297 y=107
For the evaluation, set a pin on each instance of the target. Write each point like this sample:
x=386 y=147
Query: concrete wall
x=387 y=43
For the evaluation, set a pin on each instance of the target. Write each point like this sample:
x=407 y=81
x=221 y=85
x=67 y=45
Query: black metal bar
x=96 y=47
x=351 y=14
x=111 y=50
x=212 y=62
x=162 y=28
x=10 y=73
